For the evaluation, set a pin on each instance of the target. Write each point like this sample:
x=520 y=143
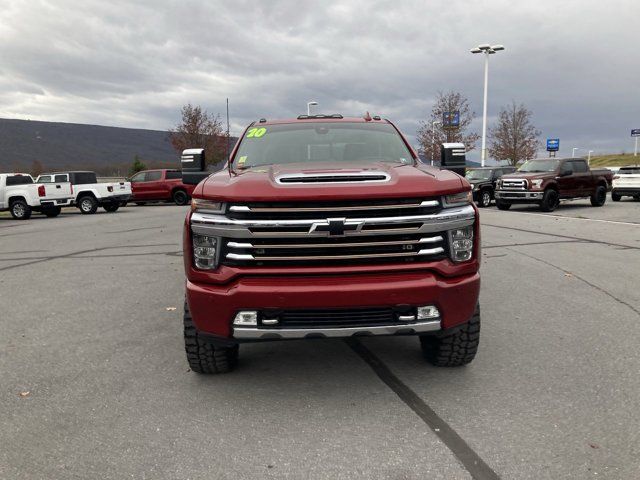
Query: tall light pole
x=487 y=50
x=573 y=152
x=589 y=157
x=309 y=107
x=433 y=138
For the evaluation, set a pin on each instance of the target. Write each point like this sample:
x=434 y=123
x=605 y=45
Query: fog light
x=246 y=318
x=269 y=321
x=205 y=251
x=461 y=243
x=428 y=311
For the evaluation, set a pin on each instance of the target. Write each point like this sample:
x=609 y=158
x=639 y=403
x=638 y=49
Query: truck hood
x=262 y=183
x=530 y=175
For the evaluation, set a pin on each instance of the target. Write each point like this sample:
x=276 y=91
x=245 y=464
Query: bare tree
x=514 y=138
x=199 y=129
x=430 y=137
x=36 y=168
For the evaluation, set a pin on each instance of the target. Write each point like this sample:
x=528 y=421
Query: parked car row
x=22 y=195
x=547 y=181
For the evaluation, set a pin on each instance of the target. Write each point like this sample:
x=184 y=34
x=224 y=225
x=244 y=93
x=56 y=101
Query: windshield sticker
x=256 y=132
x=241 y=161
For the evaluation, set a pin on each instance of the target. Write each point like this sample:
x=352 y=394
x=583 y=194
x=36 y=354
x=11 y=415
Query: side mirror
x=193 y=166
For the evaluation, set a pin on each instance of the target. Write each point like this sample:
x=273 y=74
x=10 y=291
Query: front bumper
x=518 y=196
x=213 y=307
x=243 y=333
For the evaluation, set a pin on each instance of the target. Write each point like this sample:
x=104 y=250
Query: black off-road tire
x=502 y=205
x=205 y=357
x=550 y=200
x=636 y=198
x=599 y=196
x=615 y=196
x=453 y=349
x=87 y=205
x=52 y=211
x=20 y=210
x=141 y=203
x=180 y=197
x=111 y=207
x=484 y=198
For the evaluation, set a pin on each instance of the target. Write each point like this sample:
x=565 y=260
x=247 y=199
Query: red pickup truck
x=324 y=226
x=160 y=185
x=546 y=181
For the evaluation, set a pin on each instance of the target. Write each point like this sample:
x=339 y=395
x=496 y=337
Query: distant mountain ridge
x=107 y=150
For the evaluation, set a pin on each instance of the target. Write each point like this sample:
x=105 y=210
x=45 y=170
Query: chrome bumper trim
x=286 y=333
x=518 y=195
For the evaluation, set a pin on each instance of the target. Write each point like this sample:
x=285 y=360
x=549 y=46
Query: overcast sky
x=576 y=64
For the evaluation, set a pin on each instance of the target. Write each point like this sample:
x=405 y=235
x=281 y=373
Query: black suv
x=483 y=180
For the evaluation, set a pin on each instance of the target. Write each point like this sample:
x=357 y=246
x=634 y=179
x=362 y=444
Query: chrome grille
x=342 y=250
x=514 y=184
x=333 y=233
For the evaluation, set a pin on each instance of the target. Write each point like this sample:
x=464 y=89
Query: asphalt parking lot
x=94 y=382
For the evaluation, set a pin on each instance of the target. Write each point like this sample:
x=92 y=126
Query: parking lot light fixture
x=573 y=152
x=589 y=156
x=487 y=49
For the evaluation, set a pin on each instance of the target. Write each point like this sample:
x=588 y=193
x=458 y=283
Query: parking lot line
x=576 y=218
x=471 y=461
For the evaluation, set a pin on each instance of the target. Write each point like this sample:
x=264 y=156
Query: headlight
x=206 y=206
x=537 y=183
x=458 y=199
x=499 y=184
x=205 y=251
x=461 y=243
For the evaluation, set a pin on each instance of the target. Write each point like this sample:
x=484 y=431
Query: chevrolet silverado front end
x=329 y=227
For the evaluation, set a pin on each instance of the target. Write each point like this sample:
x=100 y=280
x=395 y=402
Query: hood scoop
x=338 y=177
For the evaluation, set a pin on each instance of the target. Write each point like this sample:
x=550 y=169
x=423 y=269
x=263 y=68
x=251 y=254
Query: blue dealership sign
x=553 y=144
x=635 y=132
x=451 y=119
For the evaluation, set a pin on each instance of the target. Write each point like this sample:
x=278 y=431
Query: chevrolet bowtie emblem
x=336 y=227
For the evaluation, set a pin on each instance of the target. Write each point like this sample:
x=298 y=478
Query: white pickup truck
x=89 y=194
x=21 y=196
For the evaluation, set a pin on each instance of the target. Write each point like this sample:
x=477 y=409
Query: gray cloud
x=573 y=63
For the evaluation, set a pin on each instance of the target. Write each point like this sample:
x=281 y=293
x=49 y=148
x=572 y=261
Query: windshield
x=550 y=165
x=478 y=175
x=321 y=142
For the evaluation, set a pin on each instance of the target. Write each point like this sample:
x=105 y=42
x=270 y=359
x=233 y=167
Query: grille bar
x=337 y=245
x=426 y=251
x=338 y=208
